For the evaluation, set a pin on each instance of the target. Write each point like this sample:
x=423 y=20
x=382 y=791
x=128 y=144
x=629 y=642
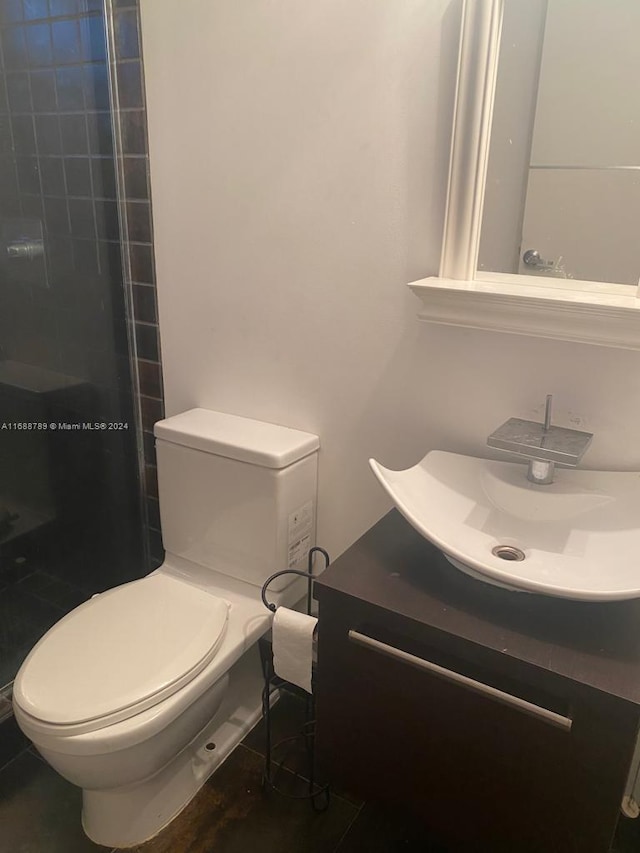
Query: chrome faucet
x=542 y=444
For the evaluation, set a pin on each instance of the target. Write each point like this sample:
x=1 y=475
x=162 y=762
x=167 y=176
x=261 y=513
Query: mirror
x=562 y=196
x=544 y=177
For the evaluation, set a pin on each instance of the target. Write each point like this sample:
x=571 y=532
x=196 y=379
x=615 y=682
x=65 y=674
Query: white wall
x=299 y=155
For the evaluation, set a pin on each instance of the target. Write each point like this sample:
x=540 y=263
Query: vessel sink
x=578 y=537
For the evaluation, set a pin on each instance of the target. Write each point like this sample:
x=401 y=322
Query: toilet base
x=125 y=817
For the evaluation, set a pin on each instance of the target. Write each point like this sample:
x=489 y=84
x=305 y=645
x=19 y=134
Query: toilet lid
x=121 y=652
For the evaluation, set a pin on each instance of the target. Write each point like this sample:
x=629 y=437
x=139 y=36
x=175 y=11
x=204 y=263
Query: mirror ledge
x=605 y=315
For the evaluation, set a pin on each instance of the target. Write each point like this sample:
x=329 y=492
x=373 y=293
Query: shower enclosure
x=74 y=216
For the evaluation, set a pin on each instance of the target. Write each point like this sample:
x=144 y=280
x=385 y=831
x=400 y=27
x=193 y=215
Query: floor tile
x=382 y=829
x=40 y=811
x=628 y=836
x=54 y=591
x=24 y=618
x=6 y=708
x=12 y=741
x=232 y=814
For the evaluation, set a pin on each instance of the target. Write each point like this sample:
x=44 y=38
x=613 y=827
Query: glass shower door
x=69 y=491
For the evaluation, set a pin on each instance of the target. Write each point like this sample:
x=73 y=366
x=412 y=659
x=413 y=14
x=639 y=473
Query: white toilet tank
x=237 y=495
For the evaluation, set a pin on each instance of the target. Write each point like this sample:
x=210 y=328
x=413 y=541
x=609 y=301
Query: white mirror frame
x=585 y=311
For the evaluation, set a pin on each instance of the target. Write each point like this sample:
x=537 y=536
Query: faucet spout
x=540 y=473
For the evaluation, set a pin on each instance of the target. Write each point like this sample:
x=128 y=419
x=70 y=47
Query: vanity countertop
x=594 y=645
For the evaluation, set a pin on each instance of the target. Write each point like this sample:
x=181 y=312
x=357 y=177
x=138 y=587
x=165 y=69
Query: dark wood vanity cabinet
x=506 y=721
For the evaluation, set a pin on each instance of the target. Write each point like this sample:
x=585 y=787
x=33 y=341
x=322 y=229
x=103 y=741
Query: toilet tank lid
x=245 y=439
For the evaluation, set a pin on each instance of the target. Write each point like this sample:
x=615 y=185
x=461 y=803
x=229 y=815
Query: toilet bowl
x=139 y=694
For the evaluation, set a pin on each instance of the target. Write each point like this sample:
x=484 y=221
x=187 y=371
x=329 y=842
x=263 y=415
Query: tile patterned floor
x=233 y=815
x=40 y=812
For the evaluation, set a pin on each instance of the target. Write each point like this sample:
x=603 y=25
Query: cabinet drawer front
x=523 y=705
x=408 y=722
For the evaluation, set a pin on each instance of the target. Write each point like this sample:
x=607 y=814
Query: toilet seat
x=120 y=653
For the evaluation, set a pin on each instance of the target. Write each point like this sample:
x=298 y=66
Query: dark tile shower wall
x=134 y=162
x=59 y=319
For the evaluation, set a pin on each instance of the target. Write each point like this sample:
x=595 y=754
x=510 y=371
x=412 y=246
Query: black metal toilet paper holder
x=317 y=793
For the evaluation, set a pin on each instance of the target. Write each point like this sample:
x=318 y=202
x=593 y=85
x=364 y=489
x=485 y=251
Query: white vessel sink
x=578 y=537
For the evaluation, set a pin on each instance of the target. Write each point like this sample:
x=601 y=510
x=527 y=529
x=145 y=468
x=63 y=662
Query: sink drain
x=508 y=552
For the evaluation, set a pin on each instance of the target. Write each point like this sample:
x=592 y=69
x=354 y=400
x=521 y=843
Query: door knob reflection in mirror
x=531 y=258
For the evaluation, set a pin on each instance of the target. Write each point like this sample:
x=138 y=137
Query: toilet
x=140 y=693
